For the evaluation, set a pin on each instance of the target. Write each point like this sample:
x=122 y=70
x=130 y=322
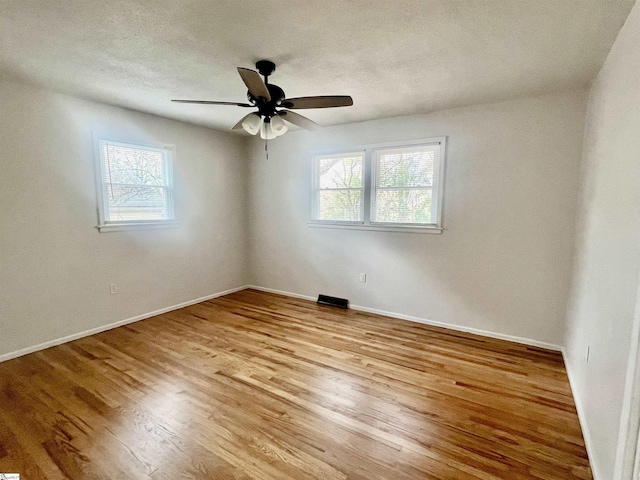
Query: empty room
x=319 y=240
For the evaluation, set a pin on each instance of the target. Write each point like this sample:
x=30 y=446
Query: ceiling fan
x=272 y=105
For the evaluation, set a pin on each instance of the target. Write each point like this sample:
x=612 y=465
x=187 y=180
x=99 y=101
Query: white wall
x=605 y=276
x=55 y=267
x=503 y=263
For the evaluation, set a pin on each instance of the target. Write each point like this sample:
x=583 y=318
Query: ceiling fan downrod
x=265 y=68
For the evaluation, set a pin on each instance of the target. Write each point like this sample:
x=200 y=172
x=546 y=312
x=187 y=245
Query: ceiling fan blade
x=207 y=102
x=318 y=102
x=254 y=83
x=299 y=120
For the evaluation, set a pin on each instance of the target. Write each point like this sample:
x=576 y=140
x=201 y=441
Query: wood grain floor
x=259 y=386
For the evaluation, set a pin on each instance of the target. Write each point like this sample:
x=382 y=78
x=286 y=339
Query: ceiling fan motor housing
x=268 y=108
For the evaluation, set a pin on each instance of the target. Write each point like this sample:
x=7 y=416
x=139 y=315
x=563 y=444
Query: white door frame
x=628 y=452
x=636 y=468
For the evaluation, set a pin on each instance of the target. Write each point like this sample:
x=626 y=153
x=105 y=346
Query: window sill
x=380 y=228
x=122 y=227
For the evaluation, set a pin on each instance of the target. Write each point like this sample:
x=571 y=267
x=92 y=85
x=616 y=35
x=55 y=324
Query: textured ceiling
x=394 y=57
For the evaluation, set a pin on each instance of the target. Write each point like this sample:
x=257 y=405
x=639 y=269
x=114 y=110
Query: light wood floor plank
x=260 y=386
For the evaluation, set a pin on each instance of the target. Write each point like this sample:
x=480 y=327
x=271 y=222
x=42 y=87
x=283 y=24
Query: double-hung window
x=135 y=185
x=338 y=185
x=392 y=186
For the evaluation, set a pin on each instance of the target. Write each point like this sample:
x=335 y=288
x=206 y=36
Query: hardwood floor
x=259 y=386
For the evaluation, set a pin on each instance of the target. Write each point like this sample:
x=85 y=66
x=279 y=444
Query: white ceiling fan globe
x=266 y=132
x=278 y=126
x=252 y=123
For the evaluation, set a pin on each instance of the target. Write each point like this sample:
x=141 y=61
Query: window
x=339 y=187
x=135 y=185
x=403 y=188
x=380 y=187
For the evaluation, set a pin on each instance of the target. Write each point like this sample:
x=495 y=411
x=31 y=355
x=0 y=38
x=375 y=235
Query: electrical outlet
x=588 y=352
x=113 y=288
x=363 y=277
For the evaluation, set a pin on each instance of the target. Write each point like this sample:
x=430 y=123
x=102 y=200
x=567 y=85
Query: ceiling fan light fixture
x=278 y=126
x=253 y=123
x=266 y=132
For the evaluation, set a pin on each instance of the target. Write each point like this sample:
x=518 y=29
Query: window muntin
x=338 y=189
x=136 y=183
x=404 y=182
x=401 y=186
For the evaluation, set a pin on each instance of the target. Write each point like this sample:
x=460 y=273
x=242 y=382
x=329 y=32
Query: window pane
x=409 y=168
x=340 y=205
x=403 y=206
x=340 y=172
x=133 y=166
x=136 y=203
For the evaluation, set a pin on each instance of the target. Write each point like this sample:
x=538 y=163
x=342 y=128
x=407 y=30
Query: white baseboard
x=93 y=331
x=583 y=421
x=282 y=292
x=458 y=328
x=102 y=328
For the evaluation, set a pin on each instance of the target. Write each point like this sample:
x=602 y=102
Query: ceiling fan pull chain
x=266 y=149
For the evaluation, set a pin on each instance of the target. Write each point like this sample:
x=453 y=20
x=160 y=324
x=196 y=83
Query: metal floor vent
x=333 y=301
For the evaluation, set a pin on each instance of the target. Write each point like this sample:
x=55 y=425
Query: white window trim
x=108 y=226
x=369 y=191
x=123 y=227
